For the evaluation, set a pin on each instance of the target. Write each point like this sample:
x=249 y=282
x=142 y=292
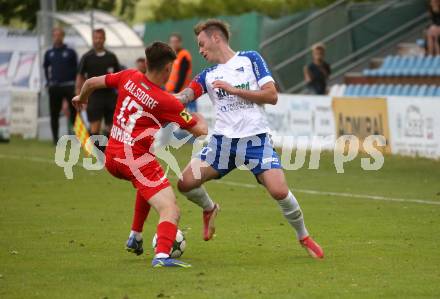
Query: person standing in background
x=181 y=73
x=316 y=74
x=60 y=65
x=141 y=65
x=433 y=31
x=97 y=62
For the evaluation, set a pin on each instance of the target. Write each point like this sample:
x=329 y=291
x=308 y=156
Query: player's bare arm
x=185 y=96
x=79 y=82
x=307 y=76
x=89 y=86
x=267 y=95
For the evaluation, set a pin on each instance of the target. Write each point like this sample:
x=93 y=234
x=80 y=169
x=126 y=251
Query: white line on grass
x=33 y=159
x=226 y=182
x=366 y=196
x=246 y=185
x=350 y=195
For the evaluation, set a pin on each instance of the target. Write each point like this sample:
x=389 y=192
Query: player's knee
x=185 y=186
x=182 y=186
x=279 y=193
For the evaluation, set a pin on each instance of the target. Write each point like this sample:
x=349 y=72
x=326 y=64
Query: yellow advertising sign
x=361 y=117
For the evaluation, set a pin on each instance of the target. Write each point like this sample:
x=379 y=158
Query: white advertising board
x=302 y=116
x=24 y=113
x=414 y=126
x=5 y=114
x=293 y=117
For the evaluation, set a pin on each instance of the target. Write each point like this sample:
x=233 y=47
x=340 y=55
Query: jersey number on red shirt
x=127 y=105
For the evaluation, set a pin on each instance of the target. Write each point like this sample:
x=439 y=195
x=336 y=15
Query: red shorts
x=148 y=179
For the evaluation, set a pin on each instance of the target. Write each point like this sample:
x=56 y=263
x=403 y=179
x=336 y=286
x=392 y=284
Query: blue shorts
x=255 y=153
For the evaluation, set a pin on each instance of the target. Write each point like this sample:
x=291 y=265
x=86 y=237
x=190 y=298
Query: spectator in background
x=141 y=65
x=97 y=62
x=182 y=68
x=60 y=65
x=433 y=32
x=316 y=74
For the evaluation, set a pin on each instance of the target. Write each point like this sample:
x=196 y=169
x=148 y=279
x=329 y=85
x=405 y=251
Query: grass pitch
x=65 y=238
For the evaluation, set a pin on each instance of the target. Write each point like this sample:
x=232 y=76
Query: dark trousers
x=56 y=96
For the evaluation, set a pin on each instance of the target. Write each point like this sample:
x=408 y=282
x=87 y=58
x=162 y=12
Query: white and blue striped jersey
x=237 y=117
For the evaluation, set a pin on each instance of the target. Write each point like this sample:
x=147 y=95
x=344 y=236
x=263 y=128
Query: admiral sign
x=361 y=117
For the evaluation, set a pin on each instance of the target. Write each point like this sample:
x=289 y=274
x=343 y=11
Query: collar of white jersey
x=230 y=59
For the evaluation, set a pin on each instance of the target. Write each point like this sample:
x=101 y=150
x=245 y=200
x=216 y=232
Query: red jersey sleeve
x=112 y=80
x=174 y=111
x=198 y=84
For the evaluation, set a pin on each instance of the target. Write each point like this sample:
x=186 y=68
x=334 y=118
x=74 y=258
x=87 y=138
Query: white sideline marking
x=226 y=182
x=246 y=185
x=366 y=196
x=33 y=159
x=351 y=195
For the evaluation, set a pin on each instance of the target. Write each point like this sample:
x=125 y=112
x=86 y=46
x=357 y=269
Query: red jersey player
x=141 y=109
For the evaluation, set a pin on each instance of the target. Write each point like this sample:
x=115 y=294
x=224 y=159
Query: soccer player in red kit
x=142 y=108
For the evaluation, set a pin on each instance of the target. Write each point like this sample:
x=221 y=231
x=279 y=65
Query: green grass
x=65 y=238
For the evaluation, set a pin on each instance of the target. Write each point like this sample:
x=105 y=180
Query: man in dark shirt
x=97 y=62
x=60 y=66
x=318 y=71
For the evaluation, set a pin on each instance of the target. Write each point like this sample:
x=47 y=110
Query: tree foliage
x=24 y=11
x=177 y=9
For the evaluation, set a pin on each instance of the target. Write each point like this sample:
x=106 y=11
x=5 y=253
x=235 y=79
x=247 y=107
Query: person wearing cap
x=316 y=74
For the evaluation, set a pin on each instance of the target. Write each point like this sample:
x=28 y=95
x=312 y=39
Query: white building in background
x=22 y=92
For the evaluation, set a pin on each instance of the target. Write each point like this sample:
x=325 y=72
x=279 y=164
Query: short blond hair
x=211 y=25
x=318 y=46
x=58 y=28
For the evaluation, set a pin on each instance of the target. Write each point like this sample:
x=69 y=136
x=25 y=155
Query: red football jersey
x=141 y=109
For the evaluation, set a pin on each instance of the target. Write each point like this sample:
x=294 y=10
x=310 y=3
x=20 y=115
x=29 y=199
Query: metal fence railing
x=344 y=61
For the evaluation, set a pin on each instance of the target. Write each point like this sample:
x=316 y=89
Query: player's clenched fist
x=225 y=86
x=77 y=103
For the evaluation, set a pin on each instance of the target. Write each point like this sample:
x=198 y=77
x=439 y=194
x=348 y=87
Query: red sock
x=166 y=234
x=141 y=210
